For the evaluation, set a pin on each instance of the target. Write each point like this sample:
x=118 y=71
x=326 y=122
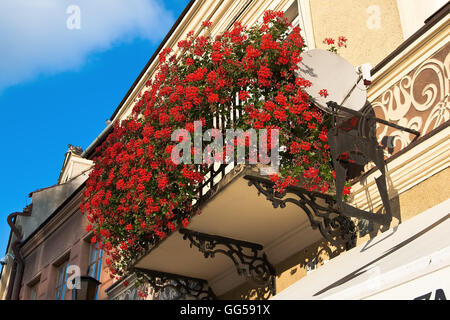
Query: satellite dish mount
x=352 y=132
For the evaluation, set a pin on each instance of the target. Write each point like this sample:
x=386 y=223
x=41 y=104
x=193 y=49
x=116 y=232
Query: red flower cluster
x=323 y=93
x=341 y=42
x=136 y=195
x=206 y=24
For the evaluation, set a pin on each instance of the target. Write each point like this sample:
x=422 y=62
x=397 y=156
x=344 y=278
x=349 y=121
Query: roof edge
x=153 y=57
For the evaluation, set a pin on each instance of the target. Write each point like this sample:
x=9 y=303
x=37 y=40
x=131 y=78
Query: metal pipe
x=94 y=143
x=19 y=265
x=20 y=268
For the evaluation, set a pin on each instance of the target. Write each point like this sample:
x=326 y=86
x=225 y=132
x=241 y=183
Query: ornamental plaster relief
x=419 y=100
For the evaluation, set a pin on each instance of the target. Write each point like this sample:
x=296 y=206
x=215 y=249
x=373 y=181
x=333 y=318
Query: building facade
x=275 y=247
x=52 y=242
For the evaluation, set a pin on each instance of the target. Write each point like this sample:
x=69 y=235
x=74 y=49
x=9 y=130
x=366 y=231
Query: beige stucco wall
x=413 y=13
x=372 y=27
x=425 y=195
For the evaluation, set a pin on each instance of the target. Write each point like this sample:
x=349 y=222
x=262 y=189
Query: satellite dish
x=327 y=70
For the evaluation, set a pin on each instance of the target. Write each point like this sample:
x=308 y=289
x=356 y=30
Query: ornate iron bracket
x=180 y=285
x=360 y=142
x=247 y=257
x=337 y=229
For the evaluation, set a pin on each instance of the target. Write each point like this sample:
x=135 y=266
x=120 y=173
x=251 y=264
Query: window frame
x=33 y=288
x=304 y=21
x=97 y=263
x=61 y=274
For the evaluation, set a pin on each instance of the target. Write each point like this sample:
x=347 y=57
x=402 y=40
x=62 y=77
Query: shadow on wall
x=247 y=291
x=307 y=260
x=289 y=271
x=372 y=229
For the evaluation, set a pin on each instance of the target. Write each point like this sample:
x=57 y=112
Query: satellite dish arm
x=335 y=107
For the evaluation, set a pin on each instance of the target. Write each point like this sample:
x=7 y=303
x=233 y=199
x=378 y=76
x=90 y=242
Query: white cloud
x=35 y=39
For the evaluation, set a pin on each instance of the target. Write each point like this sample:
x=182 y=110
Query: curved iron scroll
x=182 y=286
x=247 y=257
x=334 y=227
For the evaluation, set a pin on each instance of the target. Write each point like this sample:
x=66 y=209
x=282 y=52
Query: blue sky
x=59 y=83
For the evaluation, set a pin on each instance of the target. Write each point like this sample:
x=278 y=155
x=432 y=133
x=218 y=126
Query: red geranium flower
x=323 y=93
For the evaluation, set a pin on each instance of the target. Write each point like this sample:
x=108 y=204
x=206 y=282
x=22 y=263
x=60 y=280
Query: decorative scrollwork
x=169 y=286
x=333 y=226
x=246 y=256
x=419 y=100
x=131 y=293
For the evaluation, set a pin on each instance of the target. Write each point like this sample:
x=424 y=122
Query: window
x=298 y=14
x=61 y=279
x=95 y=263
x=34 y=291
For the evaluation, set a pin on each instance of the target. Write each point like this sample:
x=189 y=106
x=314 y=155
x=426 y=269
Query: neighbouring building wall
x=46 y=201
x=54 y=233
x=63 y=240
